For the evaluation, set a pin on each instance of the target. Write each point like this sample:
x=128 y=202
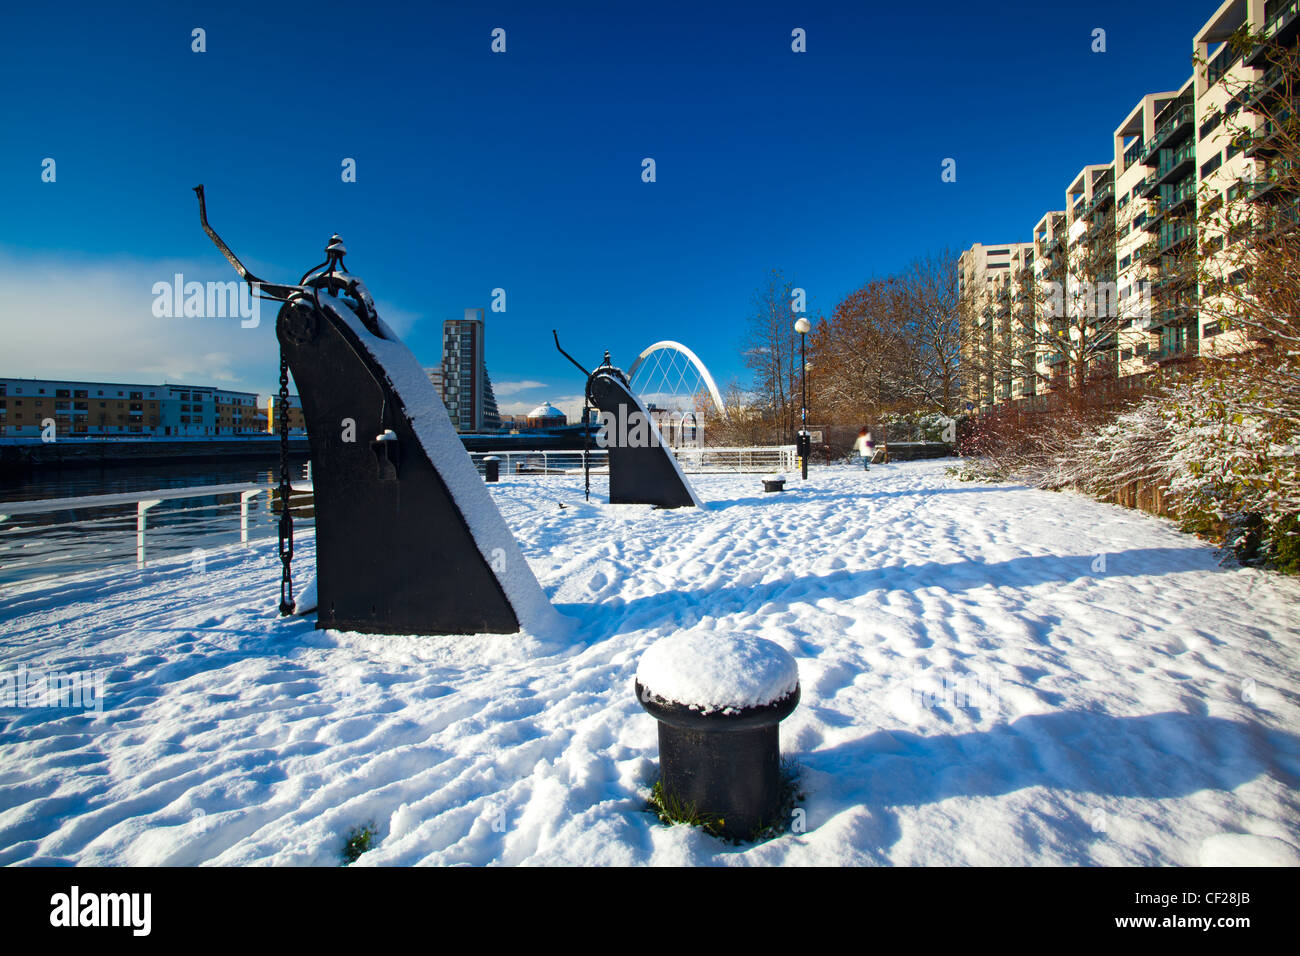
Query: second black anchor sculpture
x=408 y=540
x=642 y=468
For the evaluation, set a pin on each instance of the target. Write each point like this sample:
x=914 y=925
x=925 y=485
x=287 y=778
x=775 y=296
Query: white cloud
x=92 y=319
x=398 y=319
x=510 y=388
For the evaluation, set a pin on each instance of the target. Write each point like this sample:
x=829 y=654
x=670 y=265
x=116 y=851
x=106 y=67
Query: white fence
x=41 y=538
x=757 y=459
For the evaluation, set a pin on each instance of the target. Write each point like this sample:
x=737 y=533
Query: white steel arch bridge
x=670 y=376
x=678 y=390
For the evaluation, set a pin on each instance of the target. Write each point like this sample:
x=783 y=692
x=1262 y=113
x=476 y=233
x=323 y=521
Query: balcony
x=1148 y=252
x=1148 y=186
x=1171 y=283
x=1134 y=153
x=1175 y=164
x=1281 y=28
x=1169 y=131
x=1278 y=217
x=1173 y=201
x=1169 y=353
x=1219 y=64
x=1096 y=227
x=1174 y=236
x=1100 y=196
x=1166 y=317
x=1261 y=187
x=1262 y=88
x=1174 y=349
x=1264 y=139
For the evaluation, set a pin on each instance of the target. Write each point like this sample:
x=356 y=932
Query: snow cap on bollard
x=718 y=700
x=711 y=672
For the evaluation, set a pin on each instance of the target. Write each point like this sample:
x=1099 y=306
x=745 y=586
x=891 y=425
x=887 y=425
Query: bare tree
x=1087 y=327
x=862 y=356
x=746 y=423
x=771 y=352
x=929 y=324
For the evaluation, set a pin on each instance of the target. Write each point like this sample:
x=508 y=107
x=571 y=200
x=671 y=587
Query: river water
x=54 y=543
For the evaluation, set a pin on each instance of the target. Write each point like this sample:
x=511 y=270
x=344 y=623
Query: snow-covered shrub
x=1131 y=448
x=1220 y=444
x=1234 y=452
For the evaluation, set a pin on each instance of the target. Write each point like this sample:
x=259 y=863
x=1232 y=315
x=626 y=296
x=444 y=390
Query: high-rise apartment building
x=995 y=347
x=1135 y=232
x=1121 y=281
x=464 y=384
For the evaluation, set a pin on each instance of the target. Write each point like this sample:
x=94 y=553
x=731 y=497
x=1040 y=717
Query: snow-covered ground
x=990 y=675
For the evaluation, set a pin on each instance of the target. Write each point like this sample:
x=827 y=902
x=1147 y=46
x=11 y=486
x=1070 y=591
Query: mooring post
x=140 y=509
x=244 y=497
x=718 y=701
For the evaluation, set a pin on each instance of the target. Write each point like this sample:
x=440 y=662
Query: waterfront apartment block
x=1135 y=231
x=996 y=347
x=271 y=421
x=1122 y=281
x=462 y=380
x=30 y=408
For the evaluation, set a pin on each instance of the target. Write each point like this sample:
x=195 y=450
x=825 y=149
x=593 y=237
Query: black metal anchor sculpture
x=408 y=540
x=642 y=468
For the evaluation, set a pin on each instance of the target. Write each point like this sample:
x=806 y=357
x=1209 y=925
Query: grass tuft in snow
x=672 y=812
x=359 y=840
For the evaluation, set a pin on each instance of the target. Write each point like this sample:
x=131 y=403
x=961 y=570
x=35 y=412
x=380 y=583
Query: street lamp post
x=802 y=326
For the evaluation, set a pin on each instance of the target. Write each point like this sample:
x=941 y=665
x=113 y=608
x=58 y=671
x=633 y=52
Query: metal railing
x=1133 y=152
x=738 y=460
x=1181 y=115
x=1274 y=21
x=1169 y=161
x=691 y=458
x=89 y=531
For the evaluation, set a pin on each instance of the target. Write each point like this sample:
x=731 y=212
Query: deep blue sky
x=522 y=170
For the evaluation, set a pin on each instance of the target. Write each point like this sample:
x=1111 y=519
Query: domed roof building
x=545 y=416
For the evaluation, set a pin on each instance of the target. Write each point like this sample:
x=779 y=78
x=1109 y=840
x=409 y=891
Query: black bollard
x=723 y=762
x=492 y=469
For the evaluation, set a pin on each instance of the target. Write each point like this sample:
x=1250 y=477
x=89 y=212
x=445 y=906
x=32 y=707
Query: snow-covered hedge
x=1220 y=444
